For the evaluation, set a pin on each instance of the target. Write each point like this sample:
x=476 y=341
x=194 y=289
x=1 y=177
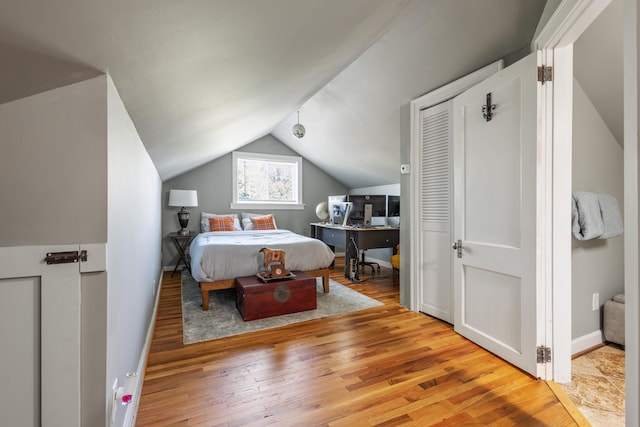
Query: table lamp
x=183 y=198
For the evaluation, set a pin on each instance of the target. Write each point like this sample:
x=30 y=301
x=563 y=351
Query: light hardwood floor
x=384 y=366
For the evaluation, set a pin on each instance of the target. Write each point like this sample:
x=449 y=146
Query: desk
x=364 y=238
x=182 y=242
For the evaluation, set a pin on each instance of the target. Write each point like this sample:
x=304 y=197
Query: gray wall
x=213 y=183
x=134 y=246
x=597 y=265
x=549 y=7
x=48 y=196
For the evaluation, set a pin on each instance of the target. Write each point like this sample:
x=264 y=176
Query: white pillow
x=204 y=221
x=246 y=220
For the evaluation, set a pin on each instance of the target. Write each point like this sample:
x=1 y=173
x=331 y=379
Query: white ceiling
x=354 y=121
x=201 y=78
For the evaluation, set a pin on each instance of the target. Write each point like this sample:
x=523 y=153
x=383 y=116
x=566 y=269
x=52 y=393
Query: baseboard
x=586 y=342
x=132 y=409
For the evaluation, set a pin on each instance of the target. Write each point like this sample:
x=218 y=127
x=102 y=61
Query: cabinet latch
x=65 y=257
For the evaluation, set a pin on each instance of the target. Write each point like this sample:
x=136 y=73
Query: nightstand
x=182 y=242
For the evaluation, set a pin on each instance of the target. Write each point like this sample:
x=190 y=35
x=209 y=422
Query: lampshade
x=183 y=198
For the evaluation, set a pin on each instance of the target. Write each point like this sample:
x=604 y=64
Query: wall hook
x=487 y=109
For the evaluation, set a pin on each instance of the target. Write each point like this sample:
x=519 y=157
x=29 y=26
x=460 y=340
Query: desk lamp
x=183 y=198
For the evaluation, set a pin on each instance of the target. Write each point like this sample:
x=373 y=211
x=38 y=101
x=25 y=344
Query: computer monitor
x=337 y=209
x=393 y=206
x=378 y=207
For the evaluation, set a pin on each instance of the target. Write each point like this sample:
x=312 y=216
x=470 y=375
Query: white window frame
x=241 y=155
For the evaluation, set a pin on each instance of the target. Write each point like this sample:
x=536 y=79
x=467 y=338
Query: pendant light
x=298 y=130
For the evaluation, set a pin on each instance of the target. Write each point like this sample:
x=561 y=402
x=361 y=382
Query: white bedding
x=228 y=254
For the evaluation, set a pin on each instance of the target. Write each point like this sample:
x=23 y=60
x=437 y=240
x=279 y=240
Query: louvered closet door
x=436 y=289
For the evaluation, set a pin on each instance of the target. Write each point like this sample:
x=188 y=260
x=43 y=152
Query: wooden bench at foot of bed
x=205 y=287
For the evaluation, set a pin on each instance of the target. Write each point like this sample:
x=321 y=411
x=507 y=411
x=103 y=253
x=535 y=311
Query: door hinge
x=545 y=74
x=65 y=257
x=544 y=354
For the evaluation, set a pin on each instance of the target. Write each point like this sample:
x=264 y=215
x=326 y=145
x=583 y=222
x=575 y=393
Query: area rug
x=223 y=319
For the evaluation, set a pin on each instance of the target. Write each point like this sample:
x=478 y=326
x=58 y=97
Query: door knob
x=458 y=246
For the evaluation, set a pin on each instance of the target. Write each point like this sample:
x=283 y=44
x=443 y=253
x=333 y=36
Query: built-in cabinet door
x=20 y=367
x=436 y=287
x=40 y=335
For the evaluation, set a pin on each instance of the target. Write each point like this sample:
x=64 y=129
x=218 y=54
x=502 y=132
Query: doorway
x=566 y=25
x=597 y=169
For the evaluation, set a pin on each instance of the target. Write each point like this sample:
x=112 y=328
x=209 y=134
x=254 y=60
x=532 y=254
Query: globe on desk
x=322 y=211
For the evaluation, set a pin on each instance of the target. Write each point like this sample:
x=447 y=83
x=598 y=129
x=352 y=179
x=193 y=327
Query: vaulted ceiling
x=201 y=78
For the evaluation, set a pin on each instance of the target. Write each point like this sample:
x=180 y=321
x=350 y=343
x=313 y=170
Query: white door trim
x=631 y=212
x=544 y=266
x=430 y=99
x=555 y=41
x=568 y=22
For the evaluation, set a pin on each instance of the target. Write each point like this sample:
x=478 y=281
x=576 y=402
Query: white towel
x=611 y=217
x=587 y=220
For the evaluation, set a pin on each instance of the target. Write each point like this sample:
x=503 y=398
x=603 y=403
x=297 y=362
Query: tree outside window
x=267 y=180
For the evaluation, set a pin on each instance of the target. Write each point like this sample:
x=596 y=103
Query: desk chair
x=361 y=262
x=395 y=263
x=395 y=259
x=374 y=265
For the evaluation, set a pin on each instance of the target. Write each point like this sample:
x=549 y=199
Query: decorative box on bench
x=257 y=300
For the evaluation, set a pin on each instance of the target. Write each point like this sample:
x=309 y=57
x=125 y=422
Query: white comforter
x=228 y=254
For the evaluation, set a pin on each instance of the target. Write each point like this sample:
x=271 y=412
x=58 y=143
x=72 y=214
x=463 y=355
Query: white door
x=495 y=165
x=40 y=335
x=436 y=286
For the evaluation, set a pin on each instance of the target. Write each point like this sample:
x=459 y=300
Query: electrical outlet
x=595 y=302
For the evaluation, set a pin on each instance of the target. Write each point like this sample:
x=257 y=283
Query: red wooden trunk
x=257 y=300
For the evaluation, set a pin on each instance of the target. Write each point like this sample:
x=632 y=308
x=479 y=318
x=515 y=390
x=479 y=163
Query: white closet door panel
x=436 y=292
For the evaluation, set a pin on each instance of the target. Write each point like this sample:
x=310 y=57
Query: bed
x=217 y=258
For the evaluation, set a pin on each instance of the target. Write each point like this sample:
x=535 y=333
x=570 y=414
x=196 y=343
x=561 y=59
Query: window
x=266 y=181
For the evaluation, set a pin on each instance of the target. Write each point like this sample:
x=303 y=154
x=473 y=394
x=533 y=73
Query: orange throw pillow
x=264 y=222
x=221 y=223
